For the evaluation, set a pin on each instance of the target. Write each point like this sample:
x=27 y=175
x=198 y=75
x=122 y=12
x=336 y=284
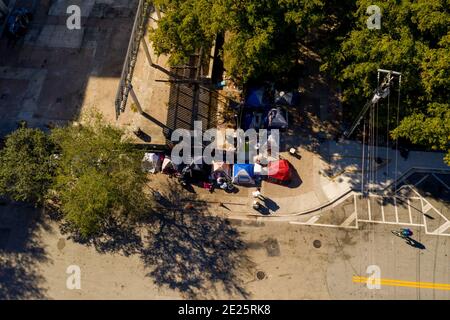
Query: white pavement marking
x=393 y=223
x=427 y=207
x=382 y=212
x=421 y=180
x=313 y=220
x=441 y=229
x=322 y=225
x=349 y=220
x=396 y=210
x=439 y=179
x=409 y=211
x=368 y=208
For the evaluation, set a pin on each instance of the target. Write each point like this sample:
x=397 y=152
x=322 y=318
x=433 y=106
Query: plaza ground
x=283 y=261
x=317 y=258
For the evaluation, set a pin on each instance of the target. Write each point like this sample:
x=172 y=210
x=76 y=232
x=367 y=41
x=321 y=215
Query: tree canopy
x=87 y=172
x=261 y=37
x=265 y=37
x=414 y=39
x=26 y=165
x=99 y=176
x=430 y=129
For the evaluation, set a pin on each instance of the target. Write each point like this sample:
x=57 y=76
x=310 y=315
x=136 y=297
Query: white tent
x=151 y=163
x=168 y=166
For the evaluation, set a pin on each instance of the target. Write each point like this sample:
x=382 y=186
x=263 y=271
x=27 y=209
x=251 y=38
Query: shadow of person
x=414 y=243
x=270 y=204
x=188 y=187
x=263 y=210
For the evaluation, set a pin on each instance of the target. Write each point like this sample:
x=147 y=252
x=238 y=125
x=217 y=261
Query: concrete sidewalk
x=343 y=159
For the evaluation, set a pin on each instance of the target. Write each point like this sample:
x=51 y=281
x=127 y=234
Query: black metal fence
x=140 y=24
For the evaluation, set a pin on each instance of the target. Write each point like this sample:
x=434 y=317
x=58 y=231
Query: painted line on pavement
x=440 y=180
x=393 y=223
x=402 y=283
x=349 y=220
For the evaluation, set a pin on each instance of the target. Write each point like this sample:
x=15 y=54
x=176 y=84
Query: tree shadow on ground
x=182 y=244
x=115 y=237
x=21 y=253
x=193 y=251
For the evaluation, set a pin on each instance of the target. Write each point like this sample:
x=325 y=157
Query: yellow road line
x=402 y=283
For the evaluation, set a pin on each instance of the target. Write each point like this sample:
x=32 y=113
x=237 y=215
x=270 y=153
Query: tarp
x=151 y=162
x=276 y=120
x=279 y=171
x=284 y=98
x=243 y=173
x=255 y=98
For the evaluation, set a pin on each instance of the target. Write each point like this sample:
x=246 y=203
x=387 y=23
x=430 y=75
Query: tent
x=221 y=167
x=197 y=170
x=151 y=162
x=255 y=98
x=243 y=174
x=168 y=167
x=284 y=98
x=279 y=171
x=269 y=151
x=276 y=119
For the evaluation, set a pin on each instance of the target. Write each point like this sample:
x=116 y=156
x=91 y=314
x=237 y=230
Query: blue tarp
x=243 y=173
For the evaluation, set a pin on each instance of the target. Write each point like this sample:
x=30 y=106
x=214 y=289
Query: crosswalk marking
x=442 y=228
x=396 y=210
x=409 y=211
x=389 y=206
x=349 y=220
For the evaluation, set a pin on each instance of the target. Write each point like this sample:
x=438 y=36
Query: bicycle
x=401 y=234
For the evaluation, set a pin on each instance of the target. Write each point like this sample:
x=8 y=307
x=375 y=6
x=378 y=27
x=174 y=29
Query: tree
x=26 y=165
x=99 y=177
x=261 y=37
x=408 y=42
x=431 y=129
x=181 y=31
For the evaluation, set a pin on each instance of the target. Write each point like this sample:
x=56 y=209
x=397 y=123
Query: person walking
x=257 y=194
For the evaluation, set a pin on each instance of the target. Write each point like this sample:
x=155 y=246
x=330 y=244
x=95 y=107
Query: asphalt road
x=282 y=261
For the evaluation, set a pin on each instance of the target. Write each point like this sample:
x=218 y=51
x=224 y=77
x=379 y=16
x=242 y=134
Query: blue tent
x=244 y=174
x=255 y=98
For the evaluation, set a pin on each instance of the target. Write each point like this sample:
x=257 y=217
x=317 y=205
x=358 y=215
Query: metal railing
x=140 y=24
